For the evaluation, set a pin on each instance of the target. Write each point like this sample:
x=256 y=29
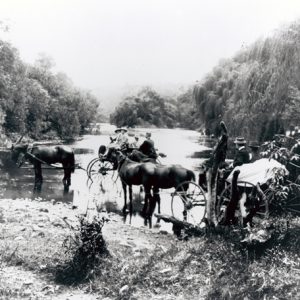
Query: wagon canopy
x=259 y=171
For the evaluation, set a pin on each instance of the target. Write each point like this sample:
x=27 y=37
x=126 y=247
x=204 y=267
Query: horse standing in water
x=38 y=155
x=150 y=175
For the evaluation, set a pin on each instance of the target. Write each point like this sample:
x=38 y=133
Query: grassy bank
x=142 y=263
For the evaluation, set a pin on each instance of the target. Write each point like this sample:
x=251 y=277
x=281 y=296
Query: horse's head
x=17 y=149
x=114 y=155
x=102 y=150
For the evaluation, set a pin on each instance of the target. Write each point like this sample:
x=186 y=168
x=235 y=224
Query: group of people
x=145 y=146
x=243 y=154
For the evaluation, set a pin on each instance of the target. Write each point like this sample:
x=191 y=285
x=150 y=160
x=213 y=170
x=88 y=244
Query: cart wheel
x=188 y=203
x=99 y=171
x=244 y=187
x=292 y=205
x=263 y=211
x=89 y=166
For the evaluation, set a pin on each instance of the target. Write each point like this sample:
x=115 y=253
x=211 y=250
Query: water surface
x=180 y=146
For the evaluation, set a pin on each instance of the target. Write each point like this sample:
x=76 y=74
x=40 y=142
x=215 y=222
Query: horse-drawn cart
x=254 y=190
x=187 y=200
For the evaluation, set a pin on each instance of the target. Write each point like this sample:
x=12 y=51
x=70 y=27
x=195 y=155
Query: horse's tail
x=72 y=162
x=191 y=175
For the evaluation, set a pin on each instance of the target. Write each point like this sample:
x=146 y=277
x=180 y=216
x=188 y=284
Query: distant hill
x=257 y=92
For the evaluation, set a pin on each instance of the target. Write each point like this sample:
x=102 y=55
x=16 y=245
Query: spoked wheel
x=188 y=203
x=248 y=194
x=89 y=166
x=99 y=171
x=264 y=210
x=292 y=204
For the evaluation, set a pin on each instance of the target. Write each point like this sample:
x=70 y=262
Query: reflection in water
x=179 y=145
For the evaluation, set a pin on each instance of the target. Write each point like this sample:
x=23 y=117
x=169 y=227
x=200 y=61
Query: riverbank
x=32 y=235
x=143 y=263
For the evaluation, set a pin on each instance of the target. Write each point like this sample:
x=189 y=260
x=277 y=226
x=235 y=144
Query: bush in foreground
x=86 y=249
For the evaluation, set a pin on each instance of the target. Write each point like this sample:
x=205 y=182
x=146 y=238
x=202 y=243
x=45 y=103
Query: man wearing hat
x=254 y=155
x=242 y=155
x=147 y=147
x=122 y=138
x=136 y=143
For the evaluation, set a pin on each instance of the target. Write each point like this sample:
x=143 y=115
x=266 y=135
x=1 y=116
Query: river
x=180 y=146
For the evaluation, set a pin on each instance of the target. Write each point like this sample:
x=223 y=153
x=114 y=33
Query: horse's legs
x=156 y=200
x=185 y=188
x=67 y=176
x=148 y=196
x=156 y=197
x=150 y=205
x=125 y=197
x=38 y=180
x=130 y=199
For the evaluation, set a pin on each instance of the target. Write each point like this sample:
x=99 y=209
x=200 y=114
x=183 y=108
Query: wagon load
x=259 y=171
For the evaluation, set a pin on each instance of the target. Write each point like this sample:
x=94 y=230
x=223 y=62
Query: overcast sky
x=107 y=44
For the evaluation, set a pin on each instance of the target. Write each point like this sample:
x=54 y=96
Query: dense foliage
x=257 y=92
x=36 y=102
x=149 y=108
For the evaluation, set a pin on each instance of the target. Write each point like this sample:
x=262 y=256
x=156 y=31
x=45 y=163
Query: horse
x=38 y=155
x=150 y=175
x=135 y=155
x=138 y=156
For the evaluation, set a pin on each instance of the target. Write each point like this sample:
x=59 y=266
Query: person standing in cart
x=242 y=155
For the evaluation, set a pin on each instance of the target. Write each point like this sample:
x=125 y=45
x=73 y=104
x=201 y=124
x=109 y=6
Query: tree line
x=39 y=103
x=148 y=108
x=257 y=92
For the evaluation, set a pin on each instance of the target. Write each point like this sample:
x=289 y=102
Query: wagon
x=254 y=183
x=257 y=178
x=263 y=187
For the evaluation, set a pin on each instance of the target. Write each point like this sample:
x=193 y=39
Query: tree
x=36 y=102
x=255 y=91
x=148 y=108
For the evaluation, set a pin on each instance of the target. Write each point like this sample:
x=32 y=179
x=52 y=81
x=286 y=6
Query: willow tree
x=257 y=92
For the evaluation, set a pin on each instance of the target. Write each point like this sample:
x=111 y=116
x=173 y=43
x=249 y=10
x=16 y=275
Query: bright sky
x=114 y=43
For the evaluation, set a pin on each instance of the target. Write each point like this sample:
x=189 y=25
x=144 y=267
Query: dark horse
x=38 y=155
x=150 y=175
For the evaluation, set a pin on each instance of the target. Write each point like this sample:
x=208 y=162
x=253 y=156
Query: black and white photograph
x=149 y=149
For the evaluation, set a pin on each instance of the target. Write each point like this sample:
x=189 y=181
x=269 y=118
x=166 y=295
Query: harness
x=22 y=156
x=120 y=164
